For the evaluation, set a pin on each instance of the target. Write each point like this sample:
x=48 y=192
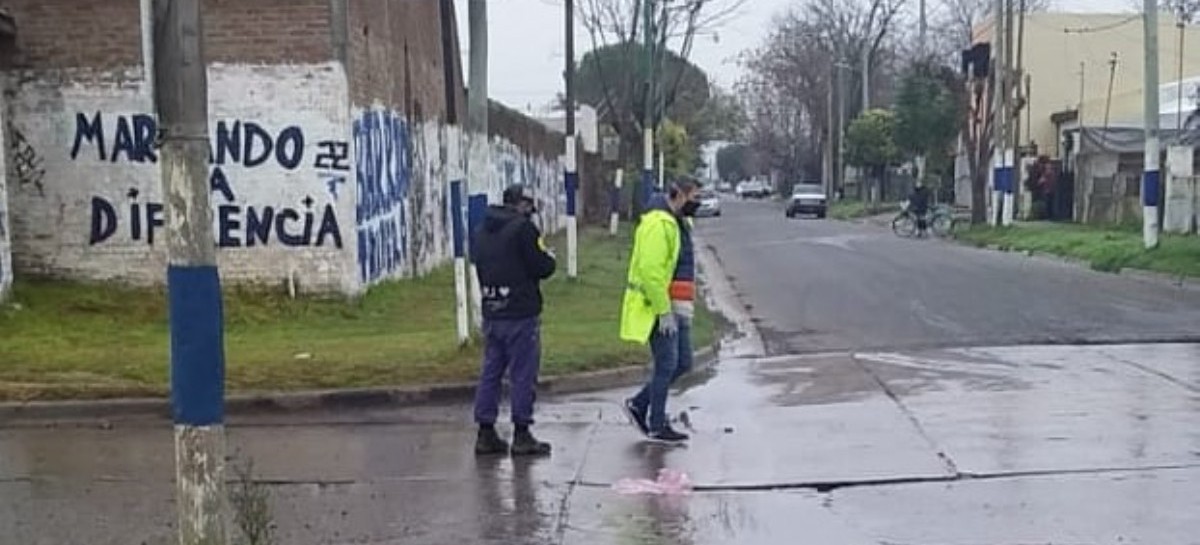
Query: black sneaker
x=524 y=444
x=489 y=443
x=636 y=417
x=668 y=436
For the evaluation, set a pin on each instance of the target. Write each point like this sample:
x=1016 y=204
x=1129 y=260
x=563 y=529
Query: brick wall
x=395 y=58
x=104 y=34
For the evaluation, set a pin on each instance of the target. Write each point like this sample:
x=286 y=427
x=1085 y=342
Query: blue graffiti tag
x=383 y=162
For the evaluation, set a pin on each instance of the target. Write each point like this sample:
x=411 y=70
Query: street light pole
x=193 y=282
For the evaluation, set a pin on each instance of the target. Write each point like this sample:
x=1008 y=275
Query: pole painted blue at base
x=476 y=211
x=458 y=230
x=572 y=185
x=197 y=345
x=1150 y=187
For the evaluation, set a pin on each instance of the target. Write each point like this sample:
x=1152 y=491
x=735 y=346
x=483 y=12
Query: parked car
x=753 y=189
x=710 y=204
x=807 y=199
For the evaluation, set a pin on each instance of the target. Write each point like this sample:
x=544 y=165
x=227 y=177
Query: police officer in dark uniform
x=511 y=259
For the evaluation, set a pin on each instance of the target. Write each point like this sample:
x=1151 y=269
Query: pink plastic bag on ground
x=670 y=482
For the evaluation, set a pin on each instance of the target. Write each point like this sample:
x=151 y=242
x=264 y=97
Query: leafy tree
x=610 y=80
x=722 y=118
x=871 y=142
x=929 y=109
x=734 y=162
x=679 y=155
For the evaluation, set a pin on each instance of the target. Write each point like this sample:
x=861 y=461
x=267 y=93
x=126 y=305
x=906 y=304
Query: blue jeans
x=672 y=359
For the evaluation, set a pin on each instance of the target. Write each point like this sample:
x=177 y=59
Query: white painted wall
x=1180 y=213
x=86 y=202
x=362 y=191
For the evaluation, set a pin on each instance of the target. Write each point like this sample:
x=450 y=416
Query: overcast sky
x=526 y=43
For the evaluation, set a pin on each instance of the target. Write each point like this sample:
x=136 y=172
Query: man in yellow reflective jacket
x=660 y=301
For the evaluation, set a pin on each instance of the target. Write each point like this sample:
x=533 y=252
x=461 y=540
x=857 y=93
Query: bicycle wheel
x=904 y=225
x=942 y=225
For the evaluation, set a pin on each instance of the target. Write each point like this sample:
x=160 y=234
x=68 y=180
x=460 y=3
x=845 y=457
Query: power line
x=1110 y=26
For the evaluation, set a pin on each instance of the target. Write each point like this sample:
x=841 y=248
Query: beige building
x=1069 y=57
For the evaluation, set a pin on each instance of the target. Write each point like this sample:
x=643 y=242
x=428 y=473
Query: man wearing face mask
x=660 y=301
x=512 y=260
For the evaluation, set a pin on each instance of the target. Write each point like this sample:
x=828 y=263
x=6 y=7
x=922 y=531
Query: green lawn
x=848 y=209
x=61 y=340
x=1106 y=249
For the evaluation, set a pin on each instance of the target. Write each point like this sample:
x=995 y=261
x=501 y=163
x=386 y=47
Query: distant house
x=1069 y=61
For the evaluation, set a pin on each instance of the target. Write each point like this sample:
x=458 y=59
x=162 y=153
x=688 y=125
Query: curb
x=1163 y=279
x=355 y=398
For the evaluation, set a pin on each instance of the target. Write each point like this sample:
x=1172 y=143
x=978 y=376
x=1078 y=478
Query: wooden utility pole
x=193 y=283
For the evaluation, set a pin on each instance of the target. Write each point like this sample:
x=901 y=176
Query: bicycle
x=940 y=221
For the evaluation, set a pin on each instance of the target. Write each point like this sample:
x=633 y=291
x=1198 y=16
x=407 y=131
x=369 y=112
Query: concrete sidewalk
x=1033 y=444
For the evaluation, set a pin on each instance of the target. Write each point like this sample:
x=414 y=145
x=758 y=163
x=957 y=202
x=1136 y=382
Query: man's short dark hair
x=684 y=184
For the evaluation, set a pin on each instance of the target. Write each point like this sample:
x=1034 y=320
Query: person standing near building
x=511 y=259
x=659 y=303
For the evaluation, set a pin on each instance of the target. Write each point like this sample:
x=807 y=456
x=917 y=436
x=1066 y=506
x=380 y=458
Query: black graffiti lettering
x=229 y=142
x=281 y=220
x=91 y=130
x=289 y=148
x=258 y=226
x=154 y=214
x=254 y=132
x=229 y=224
x=334 y=155
x=135 y=221
x=217 y=182
x=329 y=228
x=236 y=226
x=104 y=221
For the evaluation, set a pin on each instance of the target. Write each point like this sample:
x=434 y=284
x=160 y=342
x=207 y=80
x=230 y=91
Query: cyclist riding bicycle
x=918 y=205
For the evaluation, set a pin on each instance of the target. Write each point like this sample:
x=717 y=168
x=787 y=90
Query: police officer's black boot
x=489 y=443
x=524 y=443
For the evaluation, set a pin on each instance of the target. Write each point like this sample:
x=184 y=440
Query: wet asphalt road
x=822 y=285
x=898 y=440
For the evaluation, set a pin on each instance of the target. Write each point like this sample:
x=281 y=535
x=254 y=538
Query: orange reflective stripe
x=683 y=290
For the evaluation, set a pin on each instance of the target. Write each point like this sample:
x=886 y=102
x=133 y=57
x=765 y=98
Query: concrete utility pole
x=827 y=166
x=999 y=115
x=1151 y=176
x=1020 y=101
x=479 y=161
x=193 y=283
x=454 y=173
x=841 y=139
x=572 y=172
x=1012 y=155
x=866 y=76
x=648 y=109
